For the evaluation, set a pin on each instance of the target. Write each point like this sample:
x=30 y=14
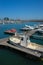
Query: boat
x=12 y=31
x=40 y=30
x=30 y=27
x=27 y=28
x=39 y=26
x=23 y=42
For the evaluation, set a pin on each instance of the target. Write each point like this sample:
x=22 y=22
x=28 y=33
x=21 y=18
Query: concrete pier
x=30 y=33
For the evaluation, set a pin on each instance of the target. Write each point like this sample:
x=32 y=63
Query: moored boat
x=27 y=28
x=12 y=31
x=29 y=47
x=39 y=26
x=40 y=30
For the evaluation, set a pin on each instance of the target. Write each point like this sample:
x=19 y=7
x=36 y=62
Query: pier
x=30 y=33
x=4 y=42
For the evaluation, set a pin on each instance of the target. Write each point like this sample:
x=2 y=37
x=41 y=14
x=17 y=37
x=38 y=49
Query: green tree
x=6 y=18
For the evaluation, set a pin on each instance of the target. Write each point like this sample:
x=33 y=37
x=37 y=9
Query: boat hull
x=10 y=33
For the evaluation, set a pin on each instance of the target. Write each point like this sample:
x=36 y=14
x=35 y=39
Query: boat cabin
x=24 y=40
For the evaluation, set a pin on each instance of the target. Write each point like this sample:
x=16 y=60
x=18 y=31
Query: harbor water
x=8 y=57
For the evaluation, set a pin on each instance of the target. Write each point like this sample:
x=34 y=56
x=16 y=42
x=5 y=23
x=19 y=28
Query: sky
x=21 y=9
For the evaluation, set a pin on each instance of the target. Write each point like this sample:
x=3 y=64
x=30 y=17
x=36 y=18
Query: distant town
x=7 y=20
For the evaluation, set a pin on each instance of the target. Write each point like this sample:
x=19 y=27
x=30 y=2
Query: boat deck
x=35 y=47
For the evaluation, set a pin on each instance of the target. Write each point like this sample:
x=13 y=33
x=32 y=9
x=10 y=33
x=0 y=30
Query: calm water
x=12 y=58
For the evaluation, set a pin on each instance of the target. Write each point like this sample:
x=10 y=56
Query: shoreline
x=18 y=21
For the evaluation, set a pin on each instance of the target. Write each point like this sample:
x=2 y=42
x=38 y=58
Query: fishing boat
x=23 y=42
x=12 y=31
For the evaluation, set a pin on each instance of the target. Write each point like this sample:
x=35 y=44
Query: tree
x=6 y=18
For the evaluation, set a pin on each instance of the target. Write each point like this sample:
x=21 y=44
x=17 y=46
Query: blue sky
x=21 y=9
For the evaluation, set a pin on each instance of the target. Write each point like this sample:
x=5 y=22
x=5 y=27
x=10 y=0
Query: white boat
x=23 y=44
x=40 y=30
x=39 y=26
x=30 y=27
x=27 y=28
x=24 y=41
